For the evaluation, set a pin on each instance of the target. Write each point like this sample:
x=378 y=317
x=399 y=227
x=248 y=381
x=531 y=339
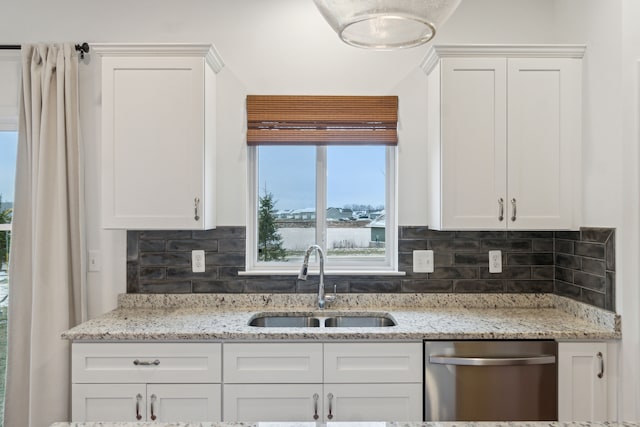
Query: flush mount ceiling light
x=386 y=24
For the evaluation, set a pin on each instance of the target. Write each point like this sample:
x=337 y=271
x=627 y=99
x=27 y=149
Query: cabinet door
x=184 y=402
x=544 y=105
x=582 y=382
x=272 y=402
x=108 y=402
x=473 y=142
x=153 y=142
x=373 y=402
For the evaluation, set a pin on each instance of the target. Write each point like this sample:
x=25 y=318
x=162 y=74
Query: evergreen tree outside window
x=269 y=240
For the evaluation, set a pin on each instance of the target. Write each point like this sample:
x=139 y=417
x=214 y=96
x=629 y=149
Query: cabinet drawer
x=143 y=363
x=273 y=363
x=373 y=363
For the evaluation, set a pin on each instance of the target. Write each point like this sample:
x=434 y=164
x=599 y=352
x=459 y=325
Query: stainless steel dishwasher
x=490 y=381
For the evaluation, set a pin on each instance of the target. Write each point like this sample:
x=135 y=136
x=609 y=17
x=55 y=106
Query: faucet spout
x=304 y=270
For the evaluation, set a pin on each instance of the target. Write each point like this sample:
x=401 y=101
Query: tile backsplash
x=579 y=265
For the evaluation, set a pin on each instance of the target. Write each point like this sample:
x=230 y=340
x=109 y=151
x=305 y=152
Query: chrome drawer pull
x=138 y=399
x=146 y=362
x=196 y=203
x=545 y=359
x=315 y=406
x=601 y=359
x=153 y=400
x=330 y=397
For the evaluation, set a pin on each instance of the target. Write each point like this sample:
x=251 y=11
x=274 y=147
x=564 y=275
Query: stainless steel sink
x=358 y=322
x=318 y=321
x=285 y=322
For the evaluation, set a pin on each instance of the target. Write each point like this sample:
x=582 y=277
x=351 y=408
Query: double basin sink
x=318 y=321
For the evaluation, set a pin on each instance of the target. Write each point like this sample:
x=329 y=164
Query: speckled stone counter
x=360 y=424
x=213 y=317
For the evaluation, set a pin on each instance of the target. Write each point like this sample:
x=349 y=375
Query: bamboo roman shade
x=322 y=120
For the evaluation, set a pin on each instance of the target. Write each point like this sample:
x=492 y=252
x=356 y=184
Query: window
x=10 y=70
x=8 y=150
x=340 y=196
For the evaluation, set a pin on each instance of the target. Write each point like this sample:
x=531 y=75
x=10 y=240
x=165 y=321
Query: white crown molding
x=436 y=52
x=208 y=51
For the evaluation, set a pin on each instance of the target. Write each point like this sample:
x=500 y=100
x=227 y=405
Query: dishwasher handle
x=544 y=359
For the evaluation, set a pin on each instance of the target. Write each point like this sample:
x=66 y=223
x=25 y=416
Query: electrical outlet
x=423 y=261
x=495 y=261
x=197 y=261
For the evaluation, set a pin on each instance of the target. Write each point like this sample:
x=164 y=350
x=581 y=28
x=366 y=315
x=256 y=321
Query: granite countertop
x=173 y=317
x=356 y=424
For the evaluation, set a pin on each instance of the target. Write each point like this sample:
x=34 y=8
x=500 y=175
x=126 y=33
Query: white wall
x=610 y=154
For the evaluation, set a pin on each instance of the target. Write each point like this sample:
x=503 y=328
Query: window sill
x=326 y=273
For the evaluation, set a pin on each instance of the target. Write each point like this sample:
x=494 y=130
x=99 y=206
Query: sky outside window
x=356 y=175
x=8 y=152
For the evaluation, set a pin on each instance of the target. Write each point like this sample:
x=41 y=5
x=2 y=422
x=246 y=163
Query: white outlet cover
x=197 y=261
x=495 y=261
x=423 y=261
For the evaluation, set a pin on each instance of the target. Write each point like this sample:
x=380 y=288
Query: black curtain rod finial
x=82 y=48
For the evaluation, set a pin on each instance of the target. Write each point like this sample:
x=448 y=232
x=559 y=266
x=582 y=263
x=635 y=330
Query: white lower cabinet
x=322 y=382
x=164 y=382
x=373 y=402
x=273 y=402
x=583 y=381
x=146 y=402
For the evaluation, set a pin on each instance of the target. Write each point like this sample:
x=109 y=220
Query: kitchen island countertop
x=223 y=317
x=356 y=424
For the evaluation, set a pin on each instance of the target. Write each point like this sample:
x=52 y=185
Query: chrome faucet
x=322 y=298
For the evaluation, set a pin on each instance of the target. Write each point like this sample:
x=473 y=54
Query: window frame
x=332 y=265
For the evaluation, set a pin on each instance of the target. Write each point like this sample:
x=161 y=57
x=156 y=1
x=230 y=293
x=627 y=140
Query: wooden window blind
x=322 y=120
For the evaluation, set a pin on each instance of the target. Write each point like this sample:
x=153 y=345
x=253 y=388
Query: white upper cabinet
x=504 y=137
x=158 y=136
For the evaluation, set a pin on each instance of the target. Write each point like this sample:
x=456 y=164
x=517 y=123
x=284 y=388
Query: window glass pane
x=286 y=202
x=356 y=192
x=8 y=150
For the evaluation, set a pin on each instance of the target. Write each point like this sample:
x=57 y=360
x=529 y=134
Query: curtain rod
x=82 y=48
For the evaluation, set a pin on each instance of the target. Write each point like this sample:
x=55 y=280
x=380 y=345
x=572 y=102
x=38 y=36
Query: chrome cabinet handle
x=315 y=406
x=513 y=212
x=196 y=204
x=153 y=400
x=138 y=362
x=500 y=209
x=601 y=359
x=330 y=397
x=138 y=400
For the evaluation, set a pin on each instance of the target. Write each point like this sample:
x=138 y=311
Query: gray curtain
x=46 y=266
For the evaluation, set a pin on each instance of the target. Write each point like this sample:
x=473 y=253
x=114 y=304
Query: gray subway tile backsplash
x=577 y=264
